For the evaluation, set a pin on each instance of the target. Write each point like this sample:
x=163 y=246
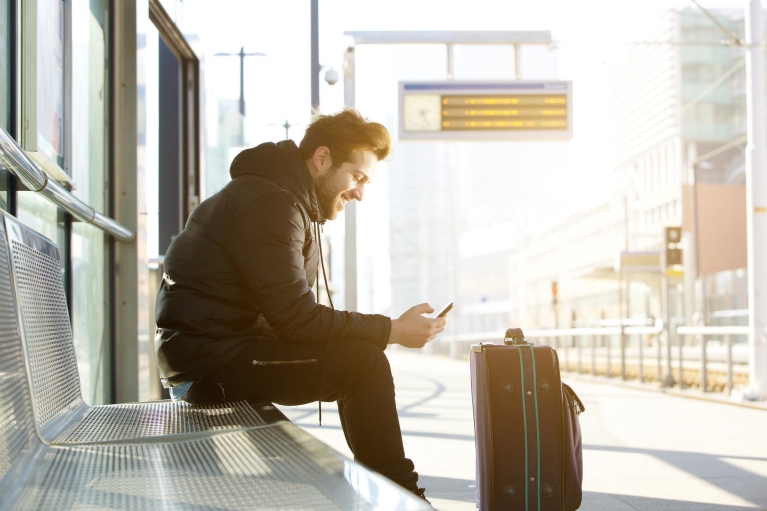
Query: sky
x=590 y=37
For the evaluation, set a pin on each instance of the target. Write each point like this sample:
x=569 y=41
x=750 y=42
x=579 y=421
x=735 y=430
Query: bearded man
x=236 y=316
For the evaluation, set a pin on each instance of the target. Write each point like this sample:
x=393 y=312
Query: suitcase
x=526 y=427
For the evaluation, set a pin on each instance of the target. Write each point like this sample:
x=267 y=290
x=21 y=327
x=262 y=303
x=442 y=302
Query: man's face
x=346 y=182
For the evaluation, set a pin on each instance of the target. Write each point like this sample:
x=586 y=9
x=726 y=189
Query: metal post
x=756 y=202
x=315 y=53
x=517 y=62
x=681 y=360
x=242 y=81
x=608 y=343
x=703 y=364
x=578 y=349
x=450 y=72
x=640 y=368
x=571 y=341
x=350 y=212
x=593 y=355
x=623 y=351
x=728 y=362
x=658 y=357
x=622 y=338
x=665 y=334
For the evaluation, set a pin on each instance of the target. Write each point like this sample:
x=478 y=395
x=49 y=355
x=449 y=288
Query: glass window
x=6 y=89
x=44 y=217
x=50 y=79
x=89 y=245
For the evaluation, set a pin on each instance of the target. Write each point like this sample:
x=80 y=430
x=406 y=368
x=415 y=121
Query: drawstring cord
x=317 y=231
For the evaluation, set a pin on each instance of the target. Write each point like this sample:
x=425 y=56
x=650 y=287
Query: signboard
x=638 y=262
x=519 y=110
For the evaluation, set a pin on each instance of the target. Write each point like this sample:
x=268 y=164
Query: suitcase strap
x=537 y=429
x=516 y=341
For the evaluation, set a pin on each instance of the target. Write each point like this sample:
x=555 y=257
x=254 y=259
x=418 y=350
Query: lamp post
x=756 y=201
x=242 y=56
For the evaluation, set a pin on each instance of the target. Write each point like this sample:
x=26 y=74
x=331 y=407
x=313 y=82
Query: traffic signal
x=673 y=246
x=554 y=291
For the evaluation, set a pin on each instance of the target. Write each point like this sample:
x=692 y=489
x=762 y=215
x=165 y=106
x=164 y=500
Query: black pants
x=357 y=375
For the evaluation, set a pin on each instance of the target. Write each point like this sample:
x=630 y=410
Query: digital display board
x=519 y=110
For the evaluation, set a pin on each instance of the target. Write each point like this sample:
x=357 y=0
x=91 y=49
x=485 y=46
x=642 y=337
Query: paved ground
x=642 y=450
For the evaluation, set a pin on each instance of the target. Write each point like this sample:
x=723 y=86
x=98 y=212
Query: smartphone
x=444 y=310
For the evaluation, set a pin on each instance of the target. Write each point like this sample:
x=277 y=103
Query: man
x=236 y=316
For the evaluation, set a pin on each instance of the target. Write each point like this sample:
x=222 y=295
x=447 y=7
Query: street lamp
x=242 y=56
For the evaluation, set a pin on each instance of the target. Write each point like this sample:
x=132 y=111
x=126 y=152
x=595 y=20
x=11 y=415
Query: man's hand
x=412 y=330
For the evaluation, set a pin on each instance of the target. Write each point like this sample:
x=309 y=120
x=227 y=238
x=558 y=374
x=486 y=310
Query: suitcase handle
x=515 y=337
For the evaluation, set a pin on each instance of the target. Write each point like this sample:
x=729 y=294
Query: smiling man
x=236 y=316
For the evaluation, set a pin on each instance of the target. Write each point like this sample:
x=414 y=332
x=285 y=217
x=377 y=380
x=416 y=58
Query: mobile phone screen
x=444 y=310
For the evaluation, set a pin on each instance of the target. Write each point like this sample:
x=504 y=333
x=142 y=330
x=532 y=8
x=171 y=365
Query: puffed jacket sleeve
x=266 y=245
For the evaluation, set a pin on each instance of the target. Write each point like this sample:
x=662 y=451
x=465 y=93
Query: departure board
x=517 y=110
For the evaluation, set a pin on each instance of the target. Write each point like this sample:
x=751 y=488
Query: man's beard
x=328 y=194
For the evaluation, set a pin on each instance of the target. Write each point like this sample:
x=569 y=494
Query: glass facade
x=713 y=78
x=76 y=138
x=51 y=48
x=89 y=246
x=6 y=89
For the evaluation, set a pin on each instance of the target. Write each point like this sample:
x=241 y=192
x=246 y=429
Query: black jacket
x=242 y=271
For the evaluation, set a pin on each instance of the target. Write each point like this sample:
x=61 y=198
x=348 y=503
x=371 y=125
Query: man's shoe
x=419 y=492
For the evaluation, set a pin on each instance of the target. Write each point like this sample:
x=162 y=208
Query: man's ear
x=322 y=159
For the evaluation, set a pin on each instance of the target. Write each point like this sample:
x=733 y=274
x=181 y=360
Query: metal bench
x=57 y=452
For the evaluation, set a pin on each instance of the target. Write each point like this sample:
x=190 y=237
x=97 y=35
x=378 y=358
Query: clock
x=422 y=112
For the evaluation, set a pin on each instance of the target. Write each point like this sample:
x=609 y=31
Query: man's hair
x=344 y=134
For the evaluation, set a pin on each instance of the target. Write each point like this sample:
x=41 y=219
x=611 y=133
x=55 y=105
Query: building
x=679 y=120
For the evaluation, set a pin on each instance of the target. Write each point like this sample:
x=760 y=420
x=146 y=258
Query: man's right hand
x=413 y=330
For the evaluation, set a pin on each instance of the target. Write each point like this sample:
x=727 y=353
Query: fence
x=643 y=352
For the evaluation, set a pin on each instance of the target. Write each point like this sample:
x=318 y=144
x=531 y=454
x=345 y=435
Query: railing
x=19 y=164
x=701 y=332
x=599 y=349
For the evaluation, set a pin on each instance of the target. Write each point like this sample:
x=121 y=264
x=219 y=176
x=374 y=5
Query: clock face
x=422 y=112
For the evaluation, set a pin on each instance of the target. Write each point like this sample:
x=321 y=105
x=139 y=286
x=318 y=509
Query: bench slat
x=137 y=420
x=260 y=469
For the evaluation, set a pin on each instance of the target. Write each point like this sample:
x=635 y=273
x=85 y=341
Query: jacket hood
x=283 y=164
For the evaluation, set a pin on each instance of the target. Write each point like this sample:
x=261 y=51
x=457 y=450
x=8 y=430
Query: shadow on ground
x=448 y=488
x=711 y=468
x=593 y=501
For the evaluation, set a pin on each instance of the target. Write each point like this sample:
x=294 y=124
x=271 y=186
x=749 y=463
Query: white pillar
x=350 y=211
x=756 y=202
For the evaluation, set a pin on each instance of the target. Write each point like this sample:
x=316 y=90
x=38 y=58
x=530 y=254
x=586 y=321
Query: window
x=89 y=246
x=6 y=89
x=50 y=42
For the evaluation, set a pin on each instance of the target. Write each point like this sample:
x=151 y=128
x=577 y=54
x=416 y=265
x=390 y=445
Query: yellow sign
x=518 y=110
x=504 y=112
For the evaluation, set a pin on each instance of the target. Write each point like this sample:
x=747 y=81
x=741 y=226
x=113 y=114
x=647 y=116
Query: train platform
x=642 y=450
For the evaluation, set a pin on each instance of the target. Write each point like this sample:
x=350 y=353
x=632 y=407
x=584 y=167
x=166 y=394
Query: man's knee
x=365 y=357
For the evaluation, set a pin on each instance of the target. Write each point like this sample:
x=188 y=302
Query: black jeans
x=357 y=375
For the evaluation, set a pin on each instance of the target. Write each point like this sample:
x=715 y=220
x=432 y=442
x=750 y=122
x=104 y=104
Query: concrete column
x=129 y=206
x=756 y=202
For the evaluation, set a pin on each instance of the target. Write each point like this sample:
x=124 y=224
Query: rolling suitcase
x=528 y=437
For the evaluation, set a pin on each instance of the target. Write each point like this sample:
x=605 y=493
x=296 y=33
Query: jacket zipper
x=282 y=362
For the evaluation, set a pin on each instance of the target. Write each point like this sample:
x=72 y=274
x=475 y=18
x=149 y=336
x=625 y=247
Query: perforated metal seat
x=56 y=452
x=47 y=338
